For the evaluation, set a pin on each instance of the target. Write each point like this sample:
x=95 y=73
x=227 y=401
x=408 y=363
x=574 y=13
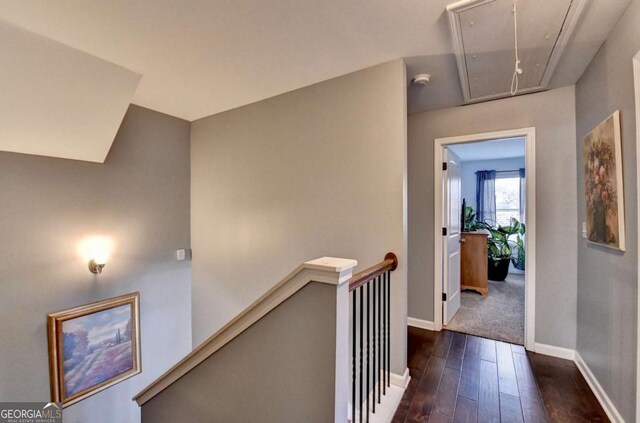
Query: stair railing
x=370 y=292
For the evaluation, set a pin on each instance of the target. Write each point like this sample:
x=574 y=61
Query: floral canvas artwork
x=603 y=187
x=96 y=347
x=92 y=347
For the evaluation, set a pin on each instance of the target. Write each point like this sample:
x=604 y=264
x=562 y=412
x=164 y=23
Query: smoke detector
x=421 y=79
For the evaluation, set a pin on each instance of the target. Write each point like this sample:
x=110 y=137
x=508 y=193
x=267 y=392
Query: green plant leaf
x=494 y=251
x=500 y=242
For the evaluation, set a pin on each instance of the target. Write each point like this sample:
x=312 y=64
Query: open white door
x=451 y=214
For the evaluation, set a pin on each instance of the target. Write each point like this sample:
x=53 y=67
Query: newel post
x=338 y=271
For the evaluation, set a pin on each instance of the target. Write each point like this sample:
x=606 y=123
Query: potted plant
x=518 y=258
x=469 y=219
x=502 y=249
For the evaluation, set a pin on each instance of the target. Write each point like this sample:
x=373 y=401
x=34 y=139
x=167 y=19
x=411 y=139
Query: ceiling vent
x=483 y=38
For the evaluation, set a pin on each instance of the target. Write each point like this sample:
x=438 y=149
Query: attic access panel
x=483 y=38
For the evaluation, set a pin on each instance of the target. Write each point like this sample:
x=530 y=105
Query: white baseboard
x=401 y=381
x=390 y=401
x=553 y=351
x=596 y=388
x=422 y=324
x=385 y=411
x=600 y=394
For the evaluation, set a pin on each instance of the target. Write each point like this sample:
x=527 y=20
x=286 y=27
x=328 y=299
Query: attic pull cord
x=517 y=69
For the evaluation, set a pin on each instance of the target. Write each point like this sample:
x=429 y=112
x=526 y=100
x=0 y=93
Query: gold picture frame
x=603 y=184
x=93 y=347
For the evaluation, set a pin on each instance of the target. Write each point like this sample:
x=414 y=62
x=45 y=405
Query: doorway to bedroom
x=484 y=247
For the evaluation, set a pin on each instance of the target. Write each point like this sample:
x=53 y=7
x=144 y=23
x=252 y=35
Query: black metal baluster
x=379 y=283
x=388 y=327
x=375 y=351
x=361 y=347
x=384 y=337
x=353 y=360
x=368 y=347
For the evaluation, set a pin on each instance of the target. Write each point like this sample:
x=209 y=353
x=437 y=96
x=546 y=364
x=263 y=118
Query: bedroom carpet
x=499 y=316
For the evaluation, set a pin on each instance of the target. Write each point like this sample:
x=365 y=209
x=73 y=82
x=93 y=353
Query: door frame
x=530 y=210
x=636 y=83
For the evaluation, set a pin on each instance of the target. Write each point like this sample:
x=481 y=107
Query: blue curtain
x=486 y=196
x=523 y=196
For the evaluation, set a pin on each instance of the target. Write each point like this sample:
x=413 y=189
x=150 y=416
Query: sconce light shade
x=95 y=267
x=97 y=250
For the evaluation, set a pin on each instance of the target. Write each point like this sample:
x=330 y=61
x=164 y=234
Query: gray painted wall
x=140 y=198
x=608 y=280
x=468 y=174
x=553 y=115
x=316 y=172
x=251 y=378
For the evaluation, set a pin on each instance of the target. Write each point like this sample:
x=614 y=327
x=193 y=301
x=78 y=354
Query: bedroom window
x=507 y=198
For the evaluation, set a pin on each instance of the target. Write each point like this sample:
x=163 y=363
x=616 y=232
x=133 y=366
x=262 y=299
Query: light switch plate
x=181 y=255
x=584 y=230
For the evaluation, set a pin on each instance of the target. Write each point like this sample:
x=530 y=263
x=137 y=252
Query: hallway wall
x=553 y=115
x=608 y=279
x=320 y=171
x=140 y=198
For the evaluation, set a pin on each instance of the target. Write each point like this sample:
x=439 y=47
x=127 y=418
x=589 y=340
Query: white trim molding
x=530 y=273
x=422 y=324
x=636 y=83
x=390 y=402
x=553 y=351
x=401 y=381
x=598 y=391
x=589 y=377
x=329 y=270
x=386 y=409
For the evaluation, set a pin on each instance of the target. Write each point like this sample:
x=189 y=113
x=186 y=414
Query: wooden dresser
x=473 y=262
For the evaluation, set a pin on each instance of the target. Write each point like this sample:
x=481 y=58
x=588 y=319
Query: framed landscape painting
x=93 y=347
x=603 y=185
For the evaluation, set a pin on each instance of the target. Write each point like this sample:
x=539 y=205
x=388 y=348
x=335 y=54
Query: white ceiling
x=57 y=101
x=201 y=57
x=490 y=150
x=596 y=22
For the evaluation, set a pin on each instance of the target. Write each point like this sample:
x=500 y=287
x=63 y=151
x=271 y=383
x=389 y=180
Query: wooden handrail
x=390 y=263
x=327 y=270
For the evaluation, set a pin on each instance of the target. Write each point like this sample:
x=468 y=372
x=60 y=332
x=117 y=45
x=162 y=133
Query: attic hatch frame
x=566 y=31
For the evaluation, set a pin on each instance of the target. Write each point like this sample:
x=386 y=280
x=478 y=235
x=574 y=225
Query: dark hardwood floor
x=463 y=378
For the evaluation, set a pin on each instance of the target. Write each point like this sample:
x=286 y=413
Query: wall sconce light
x=96 y=250
x=95 y=267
